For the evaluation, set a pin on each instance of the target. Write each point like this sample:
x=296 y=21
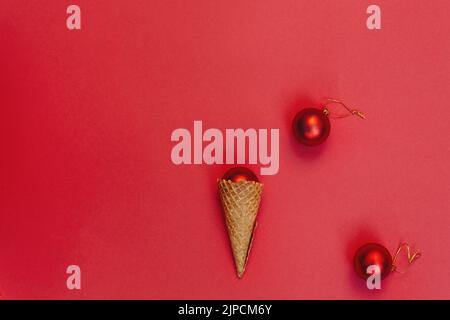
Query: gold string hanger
x=353 y=112
x=411 y=256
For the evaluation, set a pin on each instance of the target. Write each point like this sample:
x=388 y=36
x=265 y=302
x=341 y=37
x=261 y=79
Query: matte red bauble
x=372 y=254
x=311 y=126
x=238 y=174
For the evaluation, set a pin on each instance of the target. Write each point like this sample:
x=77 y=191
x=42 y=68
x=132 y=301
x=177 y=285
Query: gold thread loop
x=354 y=112
x=411 y=256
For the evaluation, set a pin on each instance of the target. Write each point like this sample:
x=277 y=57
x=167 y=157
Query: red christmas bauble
x=311 y=126
x=372 y=254
x=238 y=174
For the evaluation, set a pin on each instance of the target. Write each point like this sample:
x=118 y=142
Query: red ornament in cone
x=240 y=194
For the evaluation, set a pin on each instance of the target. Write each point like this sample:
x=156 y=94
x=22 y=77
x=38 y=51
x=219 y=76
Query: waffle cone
x=240 y=202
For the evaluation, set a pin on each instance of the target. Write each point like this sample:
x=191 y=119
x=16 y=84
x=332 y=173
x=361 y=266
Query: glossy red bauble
x=372 y=254
x=311 y=126
x=238 y=174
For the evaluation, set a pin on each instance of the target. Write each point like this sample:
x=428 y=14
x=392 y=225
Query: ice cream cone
x=240 y=201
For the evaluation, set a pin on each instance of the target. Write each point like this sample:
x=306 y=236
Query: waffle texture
x=240 y=202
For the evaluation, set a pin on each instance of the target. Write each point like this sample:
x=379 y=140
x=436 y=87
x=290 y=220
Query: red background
x=86 y=118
